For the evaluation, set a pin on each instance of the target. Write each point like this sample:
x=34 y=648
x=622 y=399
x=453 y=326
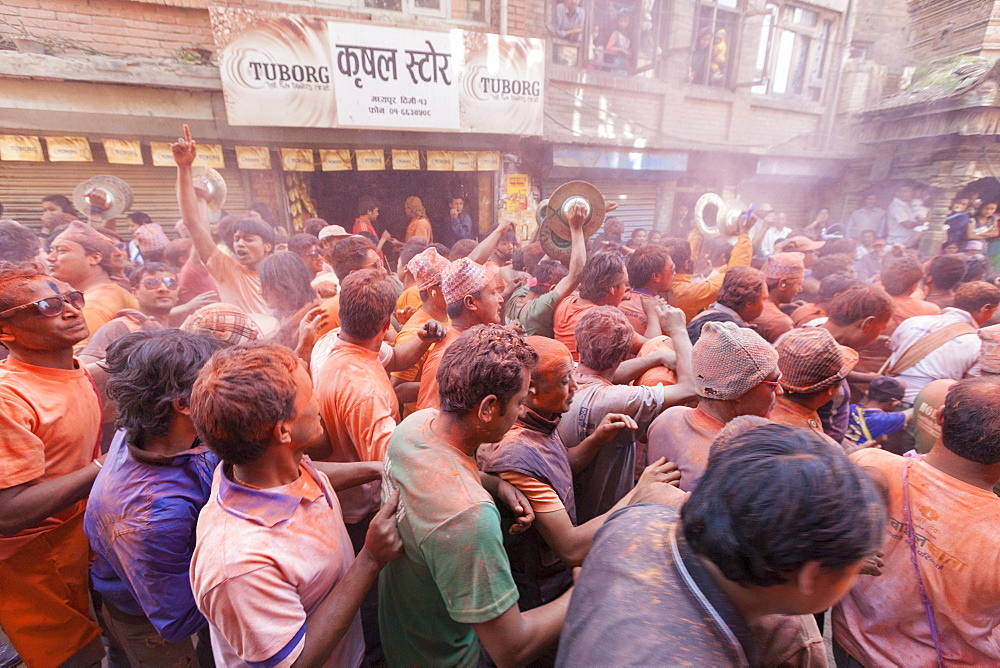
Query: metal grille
x=24 y=184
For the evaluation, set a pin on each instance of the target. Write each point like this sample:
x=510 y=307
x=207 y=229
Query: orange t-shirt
x=542 y=497
x=419 y=227
x=882 y=621
x=772 y=322
x=632 y=308
x=49 y=423
x=332 y=308
x=567 y=314
x=236 y=284
x=658 y=375
x=408 y=297
x=428 y=395
x=408 y=333
x=360 y=410
x=102 y=304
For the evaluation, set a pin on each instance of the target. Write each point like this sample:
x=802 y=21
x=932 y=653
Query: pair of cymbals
x=553 y=216
x=116 y=193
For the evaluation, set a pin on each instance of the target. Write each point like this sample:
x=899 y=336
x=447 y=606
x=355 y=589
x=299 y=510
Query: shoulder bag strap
x=928 y=344
x=912 y=540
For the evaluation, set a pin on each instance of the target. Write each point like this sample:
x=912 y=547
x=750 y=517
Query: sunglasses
x=772 y=383
x=153 y=282
x=50 y=307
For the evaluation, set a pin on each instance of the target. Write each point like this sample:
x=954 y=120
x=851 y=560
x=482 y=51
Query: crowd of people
x=659 y=451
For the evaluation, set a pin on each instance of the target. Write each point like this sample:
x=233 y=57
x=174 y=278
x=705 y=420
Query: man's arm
x=408 y=353
x=329 y=623
x=26 y=506
x=674 y=324
x=577 y=252
x=344 y=475
x=584 y=452
x=185 y=152
x=515 y=638
x=482 y=252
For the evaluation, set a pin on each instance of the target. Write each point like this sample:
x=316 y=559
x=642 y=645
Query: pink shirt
x=265 y=559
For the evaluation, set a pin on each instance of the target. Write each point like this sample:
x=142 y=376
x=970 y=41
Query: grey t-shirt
x=610 y=475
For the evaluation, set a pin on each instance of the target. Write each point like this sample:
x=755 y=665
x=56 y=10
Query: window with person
x=716 y=27
x=792 y=51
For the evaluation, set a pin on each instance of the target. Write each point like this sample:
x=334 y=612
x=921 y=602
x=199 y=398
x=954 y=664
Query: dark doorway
x=337 y=194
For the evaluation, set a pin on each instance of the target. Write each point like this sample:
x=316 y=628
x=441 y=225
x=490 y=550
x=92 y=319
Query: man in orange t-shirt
x=50 y=418
x=235 y=277
x=81 y=256
x=604 y=283
x=945 y=501
x=349 y=255
x=472 y=294
x=785 y=273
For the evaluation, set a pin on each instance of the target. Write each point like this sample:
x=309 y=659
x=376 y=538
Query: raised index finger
x=187 y=133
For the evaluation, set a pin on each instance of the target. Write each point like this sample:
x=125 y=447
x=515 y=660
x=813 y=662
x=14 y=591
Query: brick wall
x=159 y=28
x=940 y=29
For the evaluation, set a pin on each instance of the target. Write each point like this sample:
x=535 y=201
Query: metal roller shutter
x=636 y=199
x=24 y=184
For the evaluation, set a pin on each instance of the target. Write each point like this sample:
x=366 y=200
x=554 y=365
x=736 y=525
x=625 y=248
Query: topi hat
x=810 y=360
x=785 y=265
x=728 y=360
x=462 y=278
x=427 y=267
x=150 y=237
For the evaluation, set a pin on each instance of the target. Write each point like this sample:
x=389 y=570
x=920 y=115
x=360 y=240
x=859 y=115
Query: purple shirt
x=141 y=520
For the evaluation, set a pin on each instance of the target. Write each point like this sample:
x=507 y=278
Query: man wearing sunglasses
x=155 y=287
x=50 y=418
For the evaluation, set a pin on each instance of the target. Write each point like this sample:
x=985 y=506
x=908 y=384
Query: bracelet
x=99 y=464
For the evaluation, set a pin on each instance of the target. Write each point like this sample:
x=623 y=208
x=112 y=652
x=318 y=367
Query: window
x=625 y=37
x=430 y=7
x=716 y=32
x=793 y=51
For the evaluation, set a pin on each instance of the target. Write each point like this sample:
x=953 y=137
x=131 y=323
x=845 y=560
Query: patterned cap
x=223 y=321
x=91 y=240
x=785 y=265
x=462 y=278
x=728 y=360
x=427 y=268
x=810 y=360
x=989 y=352
x=150 y=237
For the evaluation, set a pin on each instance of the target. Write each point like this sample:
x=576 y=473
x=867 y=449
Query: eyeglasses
x=774 y=384
x=314 y=253
x=50 y=307
x=153 y=282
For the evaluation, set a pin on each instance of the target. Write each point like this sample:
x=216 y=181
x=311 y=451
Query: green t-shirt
x=536 y=316
x=454 y=571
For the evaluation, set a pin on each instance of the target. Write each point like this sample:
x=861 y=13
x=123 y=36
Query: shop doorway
x=337 y=195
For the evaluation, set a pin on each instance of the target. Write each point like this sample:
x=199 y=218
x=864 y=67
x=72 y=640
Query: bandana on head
x=462 y=278
x=552 y=354
x=427 y=268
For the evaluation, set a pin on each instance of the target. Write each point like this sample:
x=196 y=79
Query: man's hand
x=650 y=306
x=184 y=149
x=747 y=221
x=667 y=358
x=432 y=331
x=325 y=289
x=671 y=318
x=315 y=319
x=404 y=314
x=382 y=542
x=95 y=197
x=610 y=206
x=577 y=215
x=613 y=423
x=453 y=213
x=873 y=564
x=516 y=327
x=514 y=499
x=204 y=299
x=660 y=472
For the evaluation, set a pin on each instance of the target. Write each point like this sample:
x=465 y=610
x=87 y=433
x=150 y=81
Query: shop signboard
x=162 y=155
x=253 y=157
x=487 y=161
x=439 y=161
x=518 y=190
x=335 y=159
x=297 y=160
x=123 y=151
x=405 y=160
x=463 y=161
x=370 y=160
x=209 y=155
x=294 y=71
x=69 y=149
x=21 y=148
